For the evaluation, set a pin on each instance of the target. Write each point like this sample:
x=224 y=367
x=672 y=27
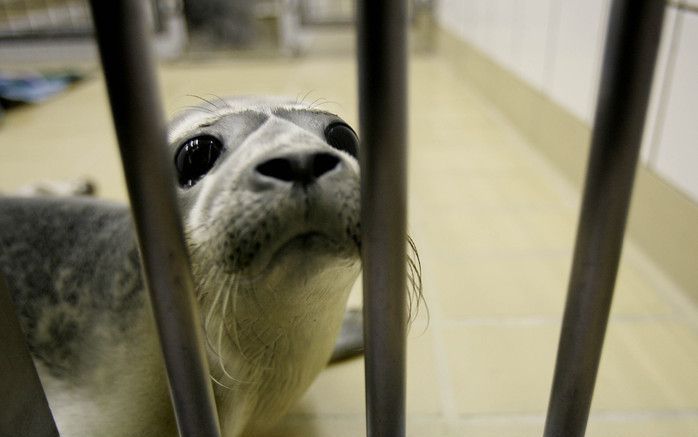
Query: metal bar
x=633 y=37
x=382 y=47
x=24 y=410
x=123 y=41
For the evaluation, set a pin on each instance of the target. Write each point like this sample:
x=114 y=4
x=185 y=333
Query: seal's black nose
x=300 y=168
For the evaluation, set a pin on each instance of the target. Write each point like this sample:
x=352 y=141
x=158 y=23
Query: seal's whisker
x=217 y=382
x=327 y=102
x=305 y=96
x=415 y=287
x=196 y=108
x=225 y=103
x=220 y=340
x=321 y=102
x=209 y=316
x=204 y=100
x=236 y=330
x=312 y=104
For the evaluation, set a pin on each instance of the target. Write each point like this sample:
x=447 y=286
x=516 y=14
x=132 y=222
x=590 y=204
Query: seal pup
x=268 y=191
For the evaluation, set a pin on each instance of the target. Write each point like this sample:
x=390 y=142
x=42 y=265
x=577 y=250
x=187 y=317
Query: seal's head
x=269 y=192
x=263 y=179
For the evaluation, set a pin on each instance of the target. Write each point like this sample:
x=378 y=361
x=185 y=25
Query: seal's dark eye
x=342 y=137
x=195 y=158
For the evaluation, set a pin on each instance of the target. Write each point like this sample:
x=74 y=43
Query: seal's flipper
x=350 y=342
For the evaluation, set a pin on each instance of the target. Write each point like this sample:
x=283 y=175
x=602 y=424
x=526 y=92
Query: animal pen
x=633 y=34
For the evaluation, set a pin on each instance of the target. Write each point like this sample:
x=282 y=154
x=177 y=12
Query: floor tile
x=645 y=366
x=644 y=427
x=340 y=387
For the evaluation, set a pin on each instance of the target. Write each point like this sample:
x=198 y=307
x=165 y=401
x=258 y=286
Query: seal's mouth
x=306 y=239
x=306 y=242
x=306 y=250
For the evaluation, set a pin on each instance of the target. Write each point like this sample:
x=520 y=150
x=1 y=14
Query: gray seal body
x=270 y=207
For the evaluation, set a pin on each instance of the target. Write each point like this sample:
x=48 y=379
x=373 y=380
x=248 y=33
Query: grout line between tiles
x=358 y=416
x=594 y=416
x=644 y=415
x=684 y=309
x=552 y=320
x=443 y=373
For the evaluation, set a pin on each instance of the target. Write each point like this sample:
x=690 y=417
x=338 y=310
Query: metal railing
x=127 y=61
x=633 y=36
x=60 y=33
x=27 y=412
x=382 y=51
x=62 y=19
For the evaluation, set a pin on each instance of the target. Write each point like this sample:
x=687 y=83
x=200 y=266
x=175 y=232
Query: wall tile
x=677 y=149
x=446 y=14
x=577 y=55
x=503 y=29
x=468 y=20
x=530 y=39
x=665 y=61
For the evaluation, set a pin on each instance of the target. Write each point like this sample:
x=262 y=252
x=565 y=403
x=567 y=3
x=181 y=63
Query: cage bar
x=125 y=51
x=24 y=410
x=633 y=37
x=382 y=59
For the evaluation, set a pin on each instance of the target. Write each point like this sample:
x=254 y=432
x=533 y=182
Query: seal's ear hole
x=195 y=158
x=342 y=137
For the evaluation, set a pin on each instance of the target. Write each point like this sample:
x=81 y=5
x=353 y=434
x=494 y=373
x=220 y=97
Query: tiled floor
x=495 y=227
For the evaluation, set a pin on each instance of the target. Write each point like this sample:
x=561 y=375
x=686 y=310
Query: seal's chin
x=305 y=241
x=311 y=247
x=303 y=253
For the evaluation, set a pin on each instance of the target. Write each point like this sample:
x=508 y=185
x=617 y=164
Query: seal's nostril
x=323 y=163
x=277 y=168
x=302 y=168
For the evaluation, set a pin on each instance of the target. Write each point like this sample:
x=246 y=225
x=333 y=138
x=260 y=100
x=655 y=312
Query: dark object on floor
x=21 y=88
x=350 y=342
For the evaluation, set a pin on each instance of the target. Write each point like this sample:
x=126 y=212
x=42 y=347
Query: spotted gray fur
x=63 y=301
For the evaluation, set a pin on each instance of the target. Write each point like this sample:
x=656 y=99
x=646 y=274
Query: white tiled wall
x=676 y=150
x=557 y=47
x=531 y=40
x=658 y=97
x=450 y=14
x=576 y=58
x=503 y=20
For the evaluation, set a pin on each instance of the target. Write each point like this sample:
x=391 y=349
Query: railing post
x=24 y=410
x=382 y=49
x=633 y=37
x=124 y=45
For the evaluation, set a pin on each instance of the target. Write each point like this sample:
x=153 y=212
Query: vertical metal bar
x=129 y=72
x=628 y=64
x=382 y=48
x=24 y=410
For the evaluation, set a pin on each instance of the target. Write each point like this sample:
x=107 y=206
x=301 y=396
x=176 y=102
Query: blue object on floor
x=32 y=87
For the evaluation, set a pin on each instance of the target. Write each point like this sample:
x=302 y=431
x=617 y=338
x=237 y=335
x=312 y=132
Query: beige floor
x=495 y=226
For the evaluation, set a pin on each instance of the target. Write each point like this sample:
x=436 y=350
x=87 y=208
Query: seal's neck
x=267 y=342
